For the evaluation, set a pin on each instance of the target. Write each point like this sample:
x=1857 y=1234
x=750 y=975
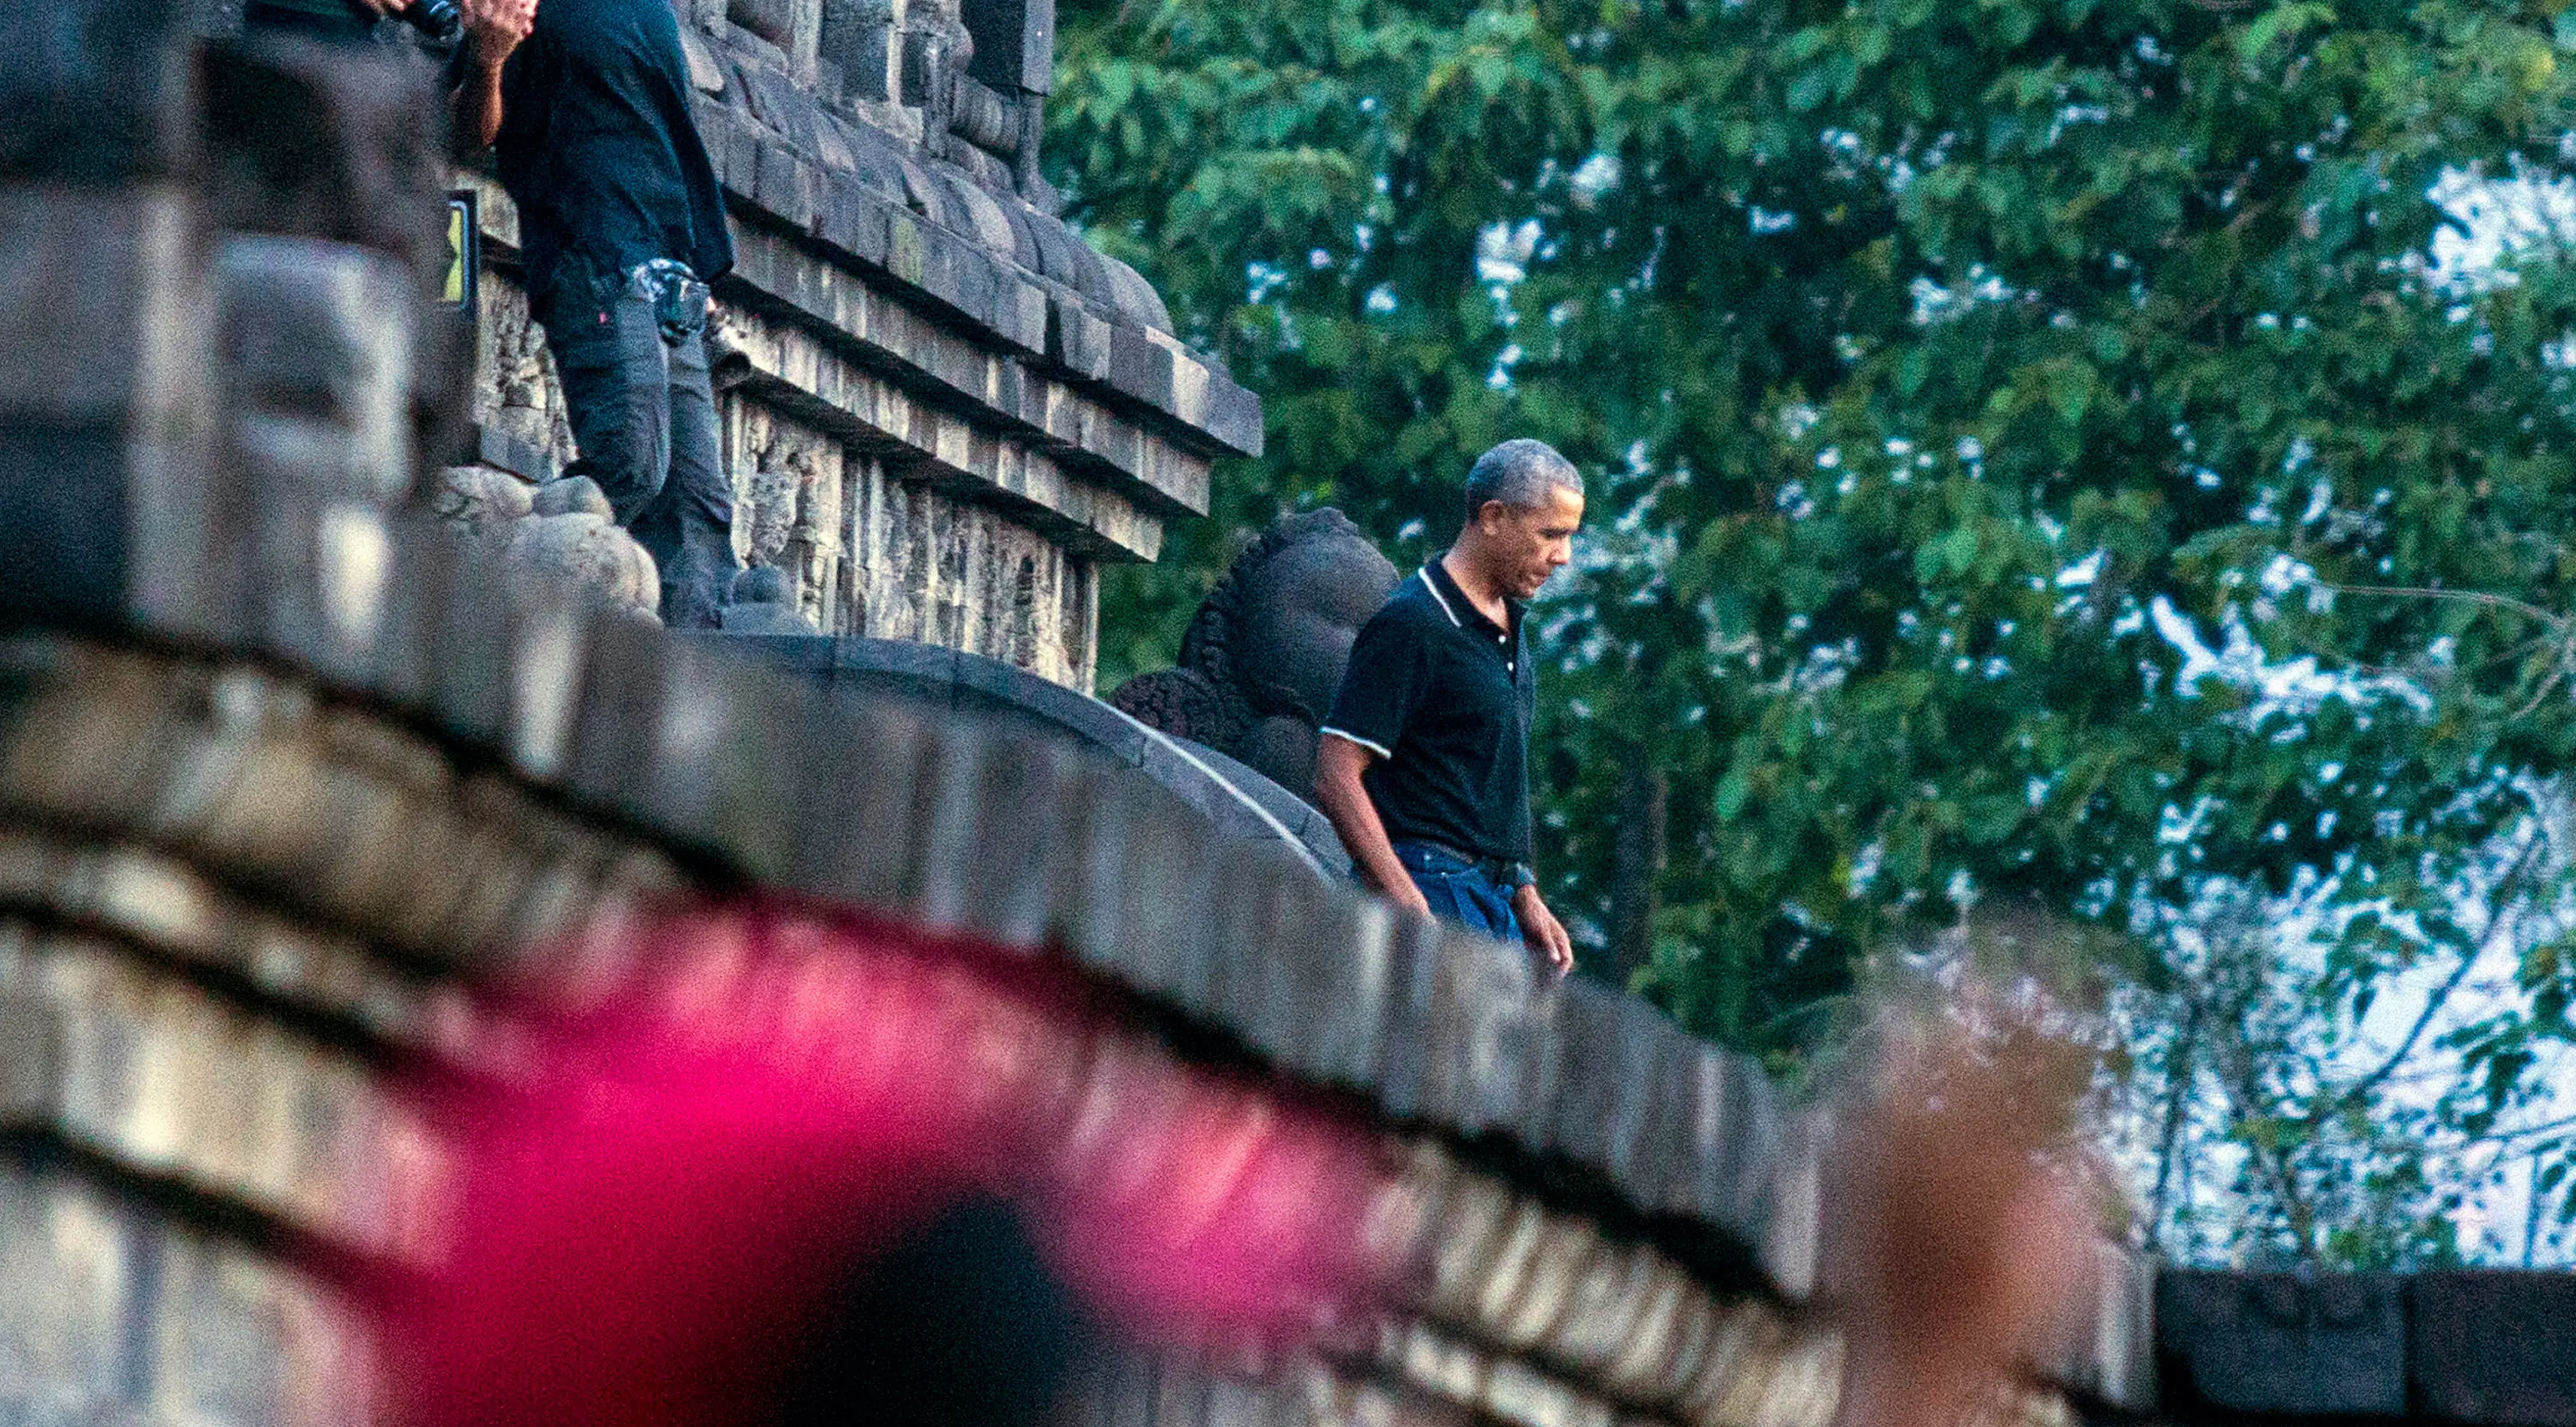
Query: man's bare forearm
x=478 y=104
x=1338 y=766
x=493 y=30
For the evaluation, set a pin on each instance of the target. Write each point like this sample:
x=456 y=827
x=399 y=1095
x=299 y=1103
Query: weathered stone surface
x=590 y=549
x=329 y=143
x=481 y=499
x=360 y=822
x=1734 y=1143
x=1791 y=1248
x=2494 y=1346
x=115 y=1316
x=2277 y=1342
x=103 y=421
x=1135 y=1391
x=162 y=1079
x=171 y=911
x=570 y=495
x=316 y=342
x=101 y=93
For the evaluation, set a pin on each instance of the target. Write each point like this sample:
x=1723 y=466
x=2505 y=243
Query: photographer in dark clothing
x=621 y=226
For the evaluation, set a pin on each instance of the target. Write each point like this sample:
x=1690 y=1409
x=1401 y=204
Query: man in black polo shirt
x=621 y=227
x=1424 y=764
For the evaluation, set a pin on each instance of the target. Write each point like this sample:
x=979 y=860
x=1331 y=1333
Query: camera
x=436 y=19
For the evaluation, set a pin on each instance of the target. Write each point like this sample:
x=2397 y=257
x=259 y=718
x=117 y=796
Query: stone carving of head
x=1266 y=652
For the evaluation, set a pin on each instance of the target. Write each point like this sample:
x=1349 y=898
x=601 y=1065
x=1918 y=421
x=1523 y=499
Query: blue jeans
x=1461 y=891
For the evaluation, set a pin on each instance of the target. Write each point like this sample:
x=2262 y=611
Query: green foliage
x=1932 y=364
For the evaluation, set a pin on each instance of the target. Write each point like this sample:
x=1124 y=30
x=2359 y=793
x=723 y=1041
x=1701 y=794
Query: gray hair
x=1519 y=472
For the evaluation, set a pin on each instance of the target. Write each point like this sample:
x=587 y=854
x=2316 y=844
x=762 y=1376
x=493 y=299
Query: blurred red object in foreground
x=682 y=1204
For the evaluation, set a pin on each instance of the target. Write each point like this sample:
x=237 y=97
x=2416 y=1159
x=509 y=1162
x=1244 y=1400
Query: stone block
x=2330 y=1345
x=725 y=758
x=337 y=144
x=1141 y=368
x=150 y=901
x=786 y=185
x=315 y=339
x=1650 y=1137
x=1014 y=43
x=1089 y=862
x=428 y=561
x=321 y=588
x=1020 y=314
x=97 y=91
x=903 y=246
x=1791 y=1252
x=977 y=281
x=70 y=1257
x=2494 y=1346
x=548 y=631
x=1087 y=273
x=103 y=403
x=1223 y=981
x=857 y=36
x=524 y=459
x=1134 y=299
x=236 y=1338
x=1346 y=977
x=937 y=272
x=1735 y=1141
x=1234 y=417
x=945 y=821
x=854 y=221
x=1404 y=1057
x=1027 y=799
x=1057 y=246
x=1076 y=338
x=153 y=1074
x=1789 y=1376
x=1592 y=1024
x=608 y=752
x=469 y=644
x=1477 y=1018
x=1163 y=881
x=742 y=158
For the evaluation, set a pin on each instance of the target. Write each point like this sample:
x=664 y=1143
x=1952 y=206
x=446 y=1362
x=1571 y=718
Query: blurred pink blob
x=654 y=1213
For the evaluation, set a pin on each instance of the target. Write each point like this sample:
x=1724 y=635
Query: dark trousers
x=1460 y=890
x=644 y=420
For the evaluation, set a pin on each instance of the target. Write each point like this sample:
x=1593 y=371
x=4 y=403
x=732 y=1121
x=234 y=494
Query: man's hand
x=385 y=8
x=1540 y=928
x=493 y=27
x=1407 y=897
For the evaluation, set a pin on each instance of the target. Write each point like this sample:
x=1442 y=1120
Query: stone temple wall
x=298 y=785
x=945 y=411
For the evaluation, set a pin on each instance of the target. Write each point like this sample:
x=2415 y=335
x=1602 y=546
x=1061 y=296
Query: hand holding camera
x=496 y=27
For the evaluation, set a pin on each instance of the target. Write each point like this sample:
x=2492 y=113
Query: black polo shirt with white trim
x=1444 y=697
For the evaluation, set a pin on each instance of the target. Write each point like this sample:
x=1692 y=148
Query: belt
x=1504 y=872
